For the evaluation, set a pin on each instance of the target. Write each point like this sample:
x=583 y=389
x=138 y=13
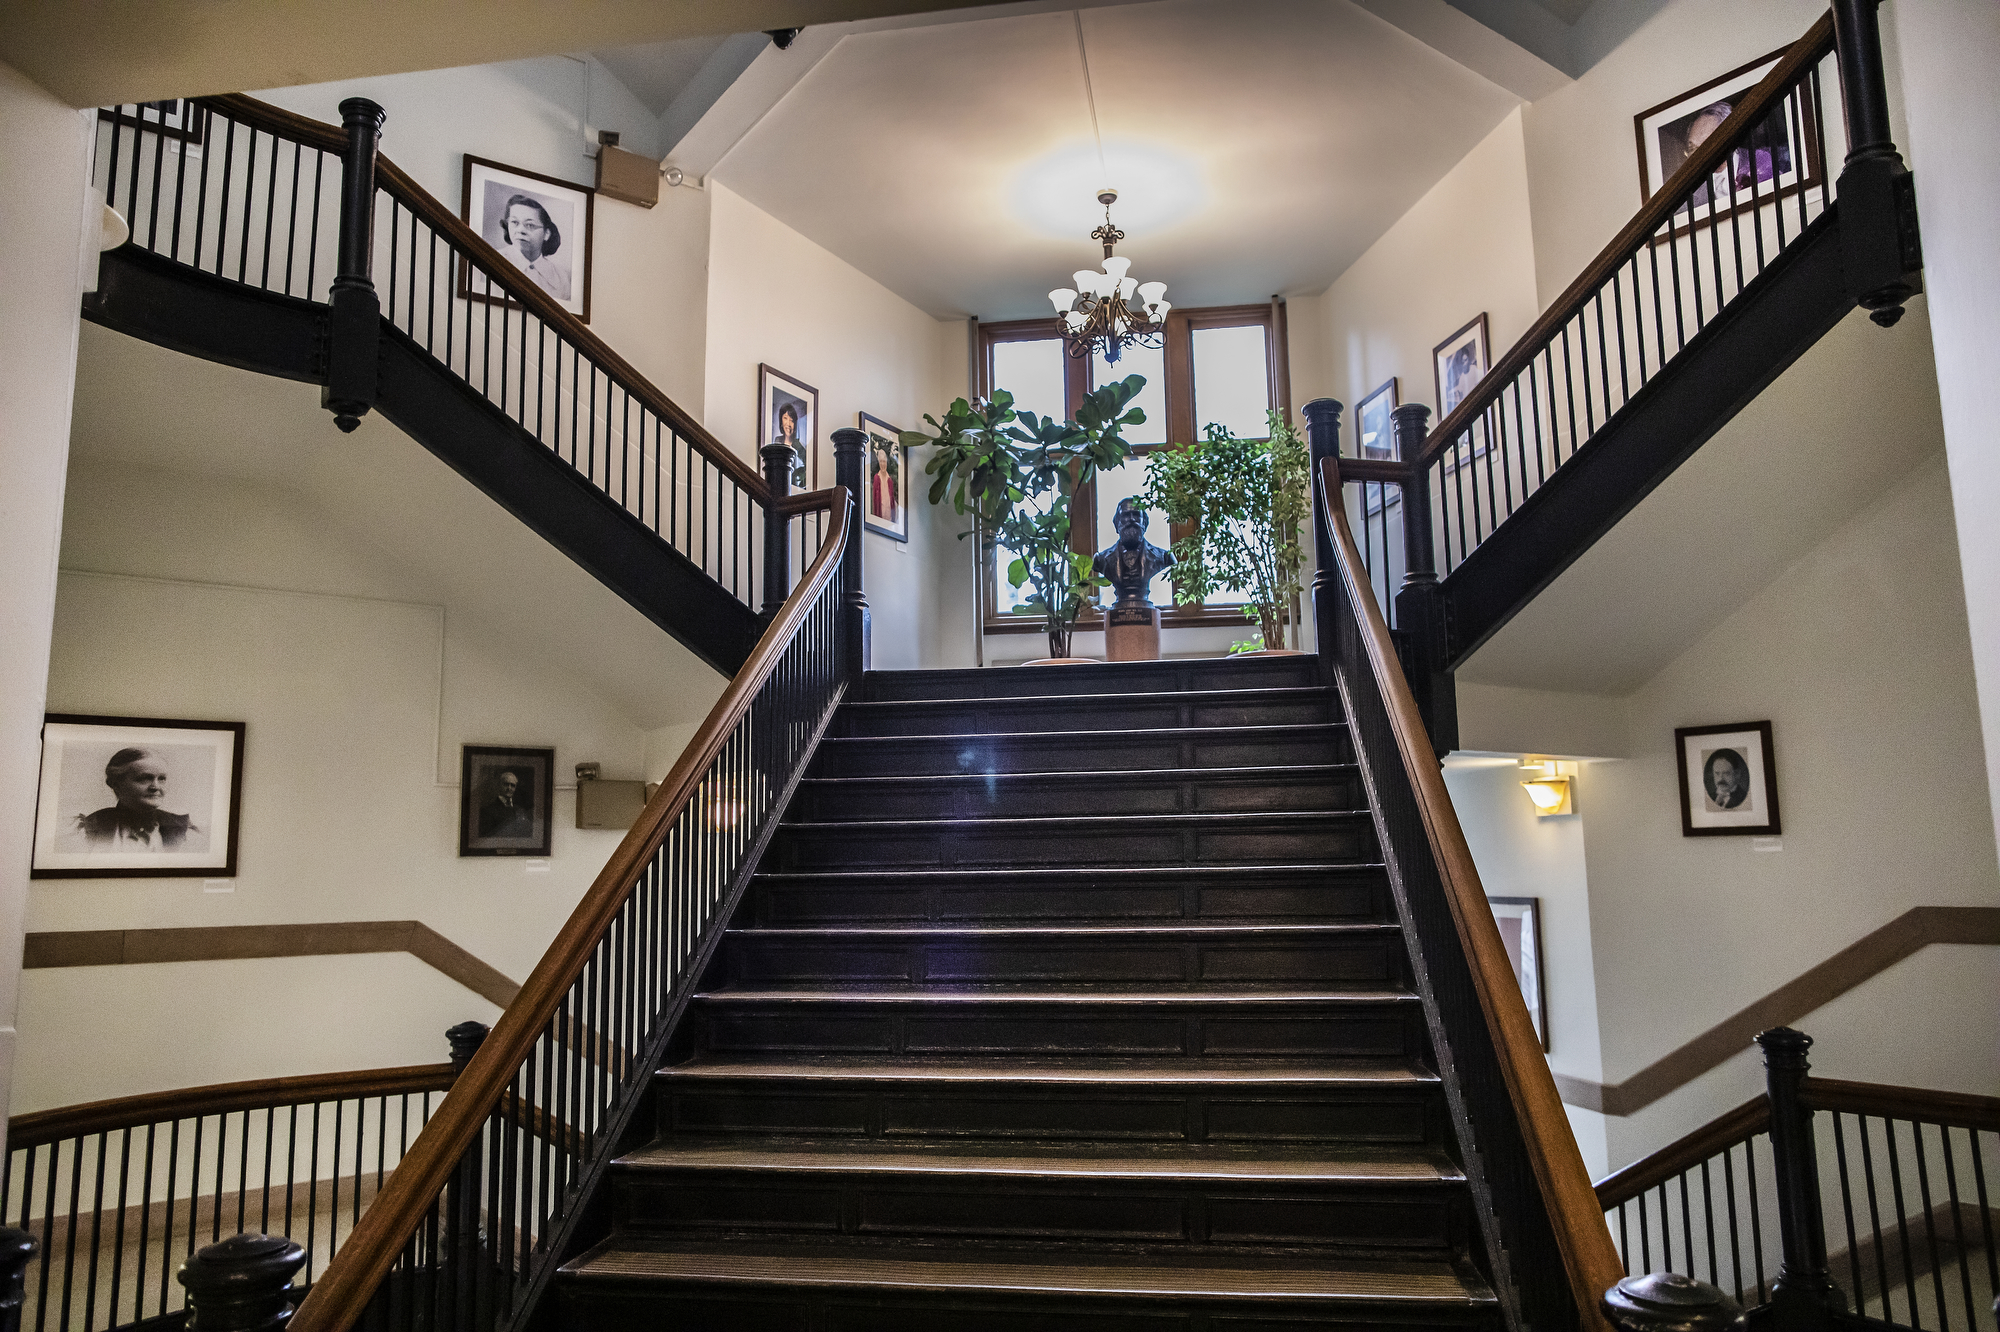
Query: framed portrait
x=538 y=223
x=505 y=794
x=788 y=410
x=1729 y=780
x=176 y=118
x=137 y=798
x=886 y=507
x=1779 y=158
x=1520 y=922
x=1460 y=361
x=1375 y=440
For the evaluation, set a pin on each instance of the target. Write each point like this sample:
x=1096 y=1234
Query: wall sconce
x=1548 y=787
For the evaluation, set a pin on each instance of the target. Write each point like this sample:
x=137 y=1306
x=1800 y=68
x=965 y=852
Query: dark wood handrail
x=343 y=1290
x=1956 y=1109
x=1807 y=51
x=1589 y=1257
x=520 y=289
x=72 y=1121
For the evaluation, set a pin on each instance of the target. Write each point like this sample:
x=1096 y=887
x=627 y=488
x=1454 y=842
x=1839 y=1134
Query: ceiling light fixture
x=1098 y=313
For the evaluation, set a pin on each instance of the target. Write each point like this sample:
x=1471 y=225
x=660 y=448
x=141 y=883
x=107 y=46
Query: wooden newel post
x=1669 y=1302
x=243 y=1284
x=1420 y=603
x=16 y=1248
x=1803 y=1288
x=1881 y=253
x=850 y=469
x=354 y=312
x=464 y=1040
x=1323 y=441
x=777 y=530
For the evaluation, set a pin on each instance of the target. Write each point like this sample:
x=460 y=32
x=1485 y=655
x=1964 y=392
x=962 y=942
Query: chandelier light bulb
x=1086 y=281
x=1115 y=267
x=1063 y=299
x=1152 y=293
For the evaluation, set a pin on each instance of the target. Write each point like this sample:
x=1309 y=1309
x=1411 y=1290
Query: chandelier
x=1099 y=312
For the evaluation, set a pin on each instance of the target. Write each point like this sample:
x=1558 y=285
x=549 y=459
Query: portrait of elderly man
x=532 y=240
x=1726 y=779
x=508 y=811
x=140 y=820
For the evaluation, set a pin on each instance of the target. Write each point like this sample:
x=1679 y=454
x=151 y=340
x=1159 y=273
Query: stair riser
x=1025 y=797
x=755 y=962
x=1321 y=895
x=1419 y=1220
x=865 y=1111
x=699 y=1307
x=1082 y=751
x=1319 y=841
x=997 y=1028
x=1110 y=678
x=1129 y=711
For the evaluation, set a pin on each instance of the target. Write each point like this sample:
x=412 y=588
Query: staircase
x=1065 y=998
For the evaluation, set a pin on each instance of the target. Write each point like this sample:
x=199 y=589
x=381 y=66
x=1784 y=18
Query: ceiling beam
x=100 y=52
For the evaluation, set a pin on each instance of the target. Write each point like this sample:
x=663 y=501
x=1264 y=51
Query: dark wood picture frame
x=1811 y=167
x=1761 y=782
x=193 y=118
x=773 y=381
x=1537 y=1000
x=1458 y=336
x=480 y=770
x=875 y=427
x=578 y=305
x=48 y=859
x=1385 y=452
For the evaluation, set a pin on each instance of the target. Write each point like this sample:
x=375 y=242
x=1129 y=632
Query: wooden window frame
x=1179 y=392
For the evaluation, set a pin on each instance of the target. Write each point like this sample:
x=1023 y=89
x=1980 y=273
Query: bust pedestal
x=1132 y=633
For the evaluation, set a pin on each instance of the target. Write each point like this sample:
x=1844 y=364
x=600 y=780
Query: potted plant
x=1247 y=502
x=1016 y=474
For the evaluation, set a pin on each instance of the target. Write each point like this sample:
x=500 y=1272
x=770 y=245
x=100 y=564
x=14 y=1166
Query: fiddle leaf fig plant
x=1016 y=475
x=1247 y=502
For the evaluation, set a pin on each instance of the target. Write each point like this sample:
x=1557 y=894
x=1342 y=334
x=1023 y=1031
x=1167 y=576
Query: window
x=1223 y=364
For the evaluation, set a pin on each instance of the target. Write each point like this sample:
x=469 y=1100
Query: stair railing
x=469 y=1230
x=255 y=195
x=1535 y=1201
x=116 y=1194
x=1901 y=1181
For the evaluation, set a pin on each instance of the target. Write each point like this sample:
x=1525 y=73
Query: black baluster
x=1880 y=251
x=1803 y=1294
x=16 y=1248
x=243 y=1284
x=850 y=469
x=354 y=314
x=1420 y=605
x=1668 y=1302
x=1323 y=440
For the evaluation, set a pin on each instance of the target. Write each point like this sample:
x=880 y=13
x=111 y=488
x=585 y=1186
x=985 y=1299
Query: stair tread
x=1233 y=1072
x=1199 y=1162
x=1224 y=817
x=1076 y=995
x=1079 y=932
x=1266 y=1278
x=1286 y=730
x=1108 y=774
x=1255 y=694
x=1226 y=873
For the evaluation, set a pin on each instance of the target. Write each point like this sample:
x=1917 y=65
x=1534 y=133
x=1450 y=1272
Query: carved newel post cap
x=243 y=1284
x=360 y=110
x=1783 y=1046
x=1669 y=1302
x=465 y=1040
x=1323 y=408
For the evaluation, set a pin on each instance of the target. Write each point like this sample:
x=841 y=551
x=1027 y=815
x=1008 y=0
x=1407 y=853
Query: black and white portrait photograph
x=1520 y=923
x=1764 y=166
x=887 y=510
x=789 y=410
x=1374 y=427
x=505 y=795
x=137 y=797
x=538 y=223
x=1461 y=363
x=1729 y=780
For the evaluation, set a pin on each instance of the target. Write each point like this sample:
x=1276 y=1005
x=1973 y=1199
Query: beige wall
x=42 y=207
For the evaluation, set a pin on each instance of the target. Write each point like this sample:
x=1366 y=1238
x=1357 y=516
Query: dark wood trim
x=1726 y=1130
x=346 y=1286
x=70 y=1121
x=1958 y=1109
x=1869 y=956
x=518 y=285
x=1589 y=1258
x=1806 y=52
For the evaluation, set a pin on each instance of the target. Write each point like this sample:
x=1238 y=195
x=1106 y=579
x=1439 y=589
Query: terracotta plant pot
x=1063 y=661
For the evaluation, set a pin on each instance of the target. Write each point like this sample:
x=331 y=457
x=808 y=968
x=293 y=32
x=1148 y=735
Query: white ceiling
x=655 y=73
x=1260 y=146
x=1855 y=413
x=387 y=493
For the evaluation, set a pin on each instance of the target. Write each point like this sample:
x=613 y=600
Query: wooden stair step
x=1135 y=1073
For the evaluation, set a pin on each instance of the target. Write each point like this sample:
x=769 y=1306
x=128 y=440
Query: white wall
x=189 y=596
x=42 y=182
x=776 y=298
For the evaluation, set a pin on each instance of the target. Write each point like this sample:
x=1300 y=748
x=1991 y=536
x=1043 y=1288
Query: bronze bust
x=1131 y=562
